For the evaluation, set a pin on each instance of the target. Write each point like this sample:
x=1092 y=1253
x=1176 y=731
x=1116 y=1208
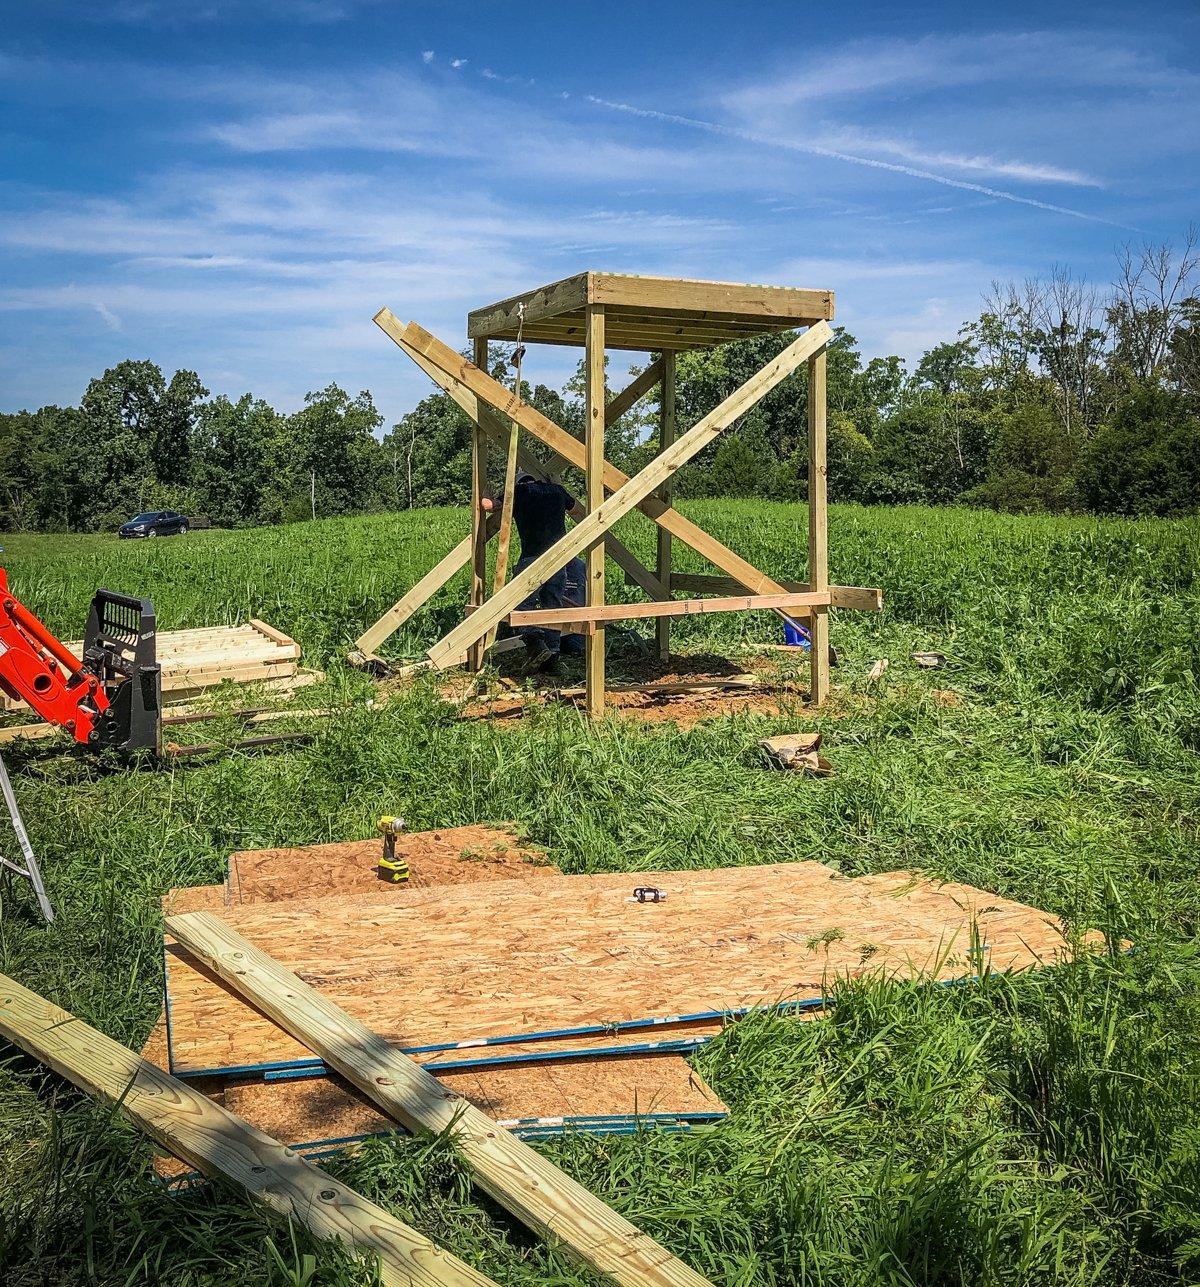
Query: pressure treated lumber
x=584 y=534
x=558 y=618
x=509 y=1171
x=464 y=965
x=861 y=598
x=463 y=380
x=479 y=469
x=193 y=660
x=216 y=1142
x=594 y=422
x=495 y=424
x=818 y=528
x=650 y=313
x=667 y=425
x=506 y=516
x=633 y=392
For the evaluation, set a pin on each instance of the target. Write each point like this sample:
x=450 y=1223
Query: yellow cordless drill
x=391 y=868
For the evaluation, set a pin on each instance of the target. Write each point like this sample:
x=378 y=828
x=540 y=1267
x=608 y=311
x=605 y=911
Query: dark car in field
x=159 y=522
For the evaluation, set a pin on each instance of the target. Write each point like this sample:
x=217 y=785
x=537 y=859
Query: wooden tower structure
x=662 y=316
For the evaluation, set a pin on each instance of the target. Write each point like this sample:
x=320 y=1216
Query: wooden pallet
x=193 y=661
x=471 y=965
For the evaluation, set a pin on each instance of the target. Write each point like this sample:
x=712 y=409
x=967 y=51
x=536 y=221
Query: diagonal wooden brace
x=496 y=426
x=415 y=340
x=592 y=528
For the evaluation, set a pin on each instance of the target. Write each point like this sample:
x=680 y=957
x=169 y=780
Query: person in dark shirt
x=540 y=512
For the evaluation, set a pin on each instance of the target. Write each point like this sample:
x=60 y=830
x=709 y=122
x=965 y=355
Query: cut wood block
x=797 y=751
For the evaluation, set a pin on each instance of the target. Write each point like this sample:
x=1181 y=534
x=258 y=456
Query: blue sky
x=237 y=187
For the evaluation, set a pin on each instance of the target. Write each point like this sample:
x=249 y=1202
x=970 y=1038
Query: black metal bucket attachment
x=119 y=648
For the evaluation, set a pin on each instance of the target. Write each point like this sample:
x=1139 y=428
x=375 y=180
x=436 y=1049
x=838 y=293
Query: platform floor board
x=475 y=962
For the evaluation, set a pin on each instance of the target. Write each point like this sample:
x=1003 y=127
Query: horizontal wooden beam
x=211 y=1139
x=558 y=297
x=508 y=1170
x=860 y=598
x=664 y=295
x=557 y=618
x=653 y=299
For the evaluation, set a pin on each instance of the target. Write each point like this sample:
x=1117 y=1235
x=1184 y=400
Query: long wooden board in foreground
x=216 y=1142
x=522 y=1180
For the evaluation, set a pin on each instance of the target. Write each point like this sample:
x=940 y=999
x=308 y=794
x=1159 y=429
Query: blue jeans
x=548 y=595
x=573 y=596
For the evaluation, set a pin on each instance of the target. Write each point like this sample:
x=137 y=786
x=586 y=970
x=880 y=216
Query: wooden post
x=818 y=532
x=594 y=444
x=478 y=539
x=662 y=567
x=506 y=514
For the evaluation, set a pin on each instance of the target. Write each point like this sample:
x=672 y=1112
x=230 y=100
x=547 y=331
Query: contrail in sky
x=811 y=149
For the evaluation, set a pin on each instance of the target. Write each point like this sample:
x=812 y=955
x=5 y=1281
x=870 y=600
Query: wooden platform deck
x=472 y=964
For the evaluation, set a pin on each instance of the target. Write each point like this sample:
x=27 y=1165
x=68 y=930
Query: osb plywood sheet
x=466 y=963
x=450 y=856
x=194 y=898
x=328 y=1109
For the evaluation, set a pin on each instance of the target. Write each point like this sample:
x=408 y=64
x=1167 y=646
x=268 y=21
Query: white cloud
x=1027 y=171
x=427 y=56
x=813 y=149
x=456 y=63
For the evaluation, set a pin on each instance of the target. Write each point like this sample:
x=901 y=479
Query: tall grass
x=1044 y=1129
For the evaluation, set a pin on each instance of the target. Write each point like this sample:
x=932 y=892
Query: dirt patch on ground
x=683 y=690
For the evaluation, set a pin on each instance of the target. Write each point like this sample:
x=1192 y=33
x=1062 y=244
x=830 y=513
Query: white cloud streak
x=813 y=149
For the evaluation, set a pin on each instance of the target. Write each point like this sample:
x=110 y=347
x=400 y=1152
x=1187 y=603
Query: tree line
x=1059 y=397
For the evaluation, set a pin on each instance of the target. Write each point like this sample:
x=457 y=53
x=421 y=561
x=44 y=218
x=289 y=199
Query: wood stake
x=666 y=436
x=818 y=528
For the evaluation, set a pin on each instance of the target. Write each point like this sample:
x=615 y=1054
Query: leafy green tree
x=1032 y=464
x=328 y=459
x=428 y=455
x=1146 y=459
x=949 y=367
x=234 y=446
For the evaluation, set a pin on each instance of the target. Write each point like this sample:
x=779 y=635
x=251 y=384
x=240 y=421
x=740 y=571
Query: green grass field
x=1035 y=1130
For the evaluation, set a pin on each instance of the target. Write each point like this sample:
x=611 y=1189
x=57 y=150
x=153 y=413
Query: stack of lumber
x=531 y=1095
x=195 y=660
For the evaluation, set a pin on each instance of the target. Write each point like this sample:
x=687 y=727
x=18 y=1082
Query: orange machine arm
x=41 y=671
